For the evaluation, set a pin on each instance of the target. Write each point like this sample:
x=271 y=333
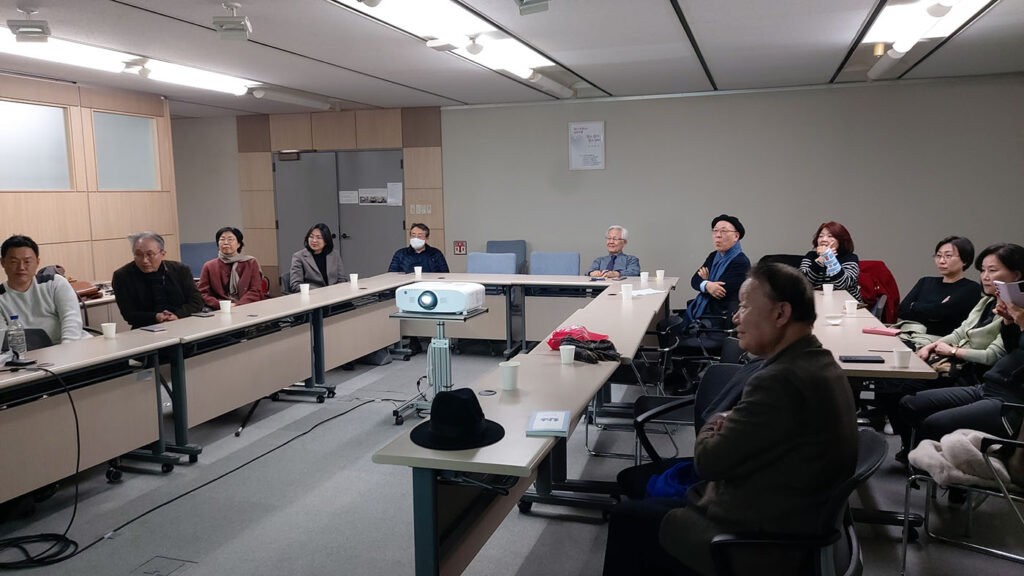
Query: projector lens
x=427 y=300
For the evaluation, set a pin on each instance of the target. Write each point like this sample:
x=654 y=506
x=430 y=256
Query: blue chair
x=195 y=254
x=558 y=263
x=517 y=247
x=484 y=263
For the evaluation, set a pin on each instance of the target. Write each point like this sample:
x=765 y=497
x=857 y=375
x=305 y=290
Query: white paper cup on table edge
x=660 y=275
x=826 y=289
x=568 y=353
x=418 y=271
x=834 y=319
x=627 y=291
x=304 y=289
x=901 y=358
x=509 y=374
x=644 y=277
x=225 y=306
x=109 y=329
x=851 y=307
x=353 y=278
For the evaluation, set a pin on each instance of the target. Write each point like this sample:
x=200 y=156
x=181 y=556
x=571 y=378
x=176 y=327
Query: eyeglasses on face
x=612 y=239
x=721 y=231
x=149 y=255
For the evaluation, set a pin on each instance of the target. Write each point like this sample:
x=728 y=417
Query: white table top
x=544 y=384
x=848 y=339
x=528 y=280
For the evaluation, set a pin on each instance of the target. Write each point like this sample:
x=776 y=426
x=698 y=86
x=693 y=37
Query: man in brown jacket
x=771 y=463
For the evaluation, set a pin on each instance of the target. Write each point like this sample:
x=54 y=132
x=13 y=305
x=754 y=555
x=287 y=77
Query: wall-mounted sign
x=586 y=145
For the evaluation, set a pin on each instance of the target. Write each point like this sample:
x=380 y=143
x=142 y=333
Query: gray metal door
x=305 y=192
x=370 y=234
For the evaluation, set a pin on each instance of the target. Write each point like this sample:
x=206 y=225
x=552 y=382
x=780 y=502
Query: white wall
x=901 y=165
x=206 y=174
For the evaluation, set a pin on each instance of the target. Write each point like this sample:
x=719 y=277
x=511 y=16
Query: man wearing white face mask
x=418 y=253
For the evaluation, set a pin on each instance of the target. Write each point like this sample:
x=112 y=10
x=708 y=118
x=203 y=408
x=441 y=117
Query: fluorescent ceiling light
x=896 y=21
x=289 y=97
x=551 y=86
x=506 y=54
x=193 y=77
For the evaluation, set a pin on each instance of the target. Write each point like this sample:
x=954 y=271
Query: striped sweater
x=846 y=279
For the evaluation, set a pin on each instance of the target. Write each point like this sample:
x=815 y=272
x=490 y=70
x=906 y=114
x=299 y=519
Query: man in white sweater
x=51 y=305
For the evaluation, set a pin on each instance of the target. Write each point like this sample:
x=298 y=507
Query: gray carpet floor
x=297 y=493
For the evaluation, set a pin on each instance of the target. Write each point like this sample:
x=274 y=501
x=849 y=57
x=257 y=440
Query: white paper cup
x=660 y=275
x=353 y=278
x=509 y=374
x=851 y=307
x=568 y=353
x=627 y=291
x=826 y=289
x=834 y=319
x=225 y=306
x=418 y=271
x=644 y=277
x=109 y=329
x=304 y=289
x=901 y=358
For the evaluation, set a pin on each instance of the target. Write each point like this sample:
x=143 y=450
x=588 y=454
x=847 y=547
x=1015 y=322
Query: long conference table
x=216 y=364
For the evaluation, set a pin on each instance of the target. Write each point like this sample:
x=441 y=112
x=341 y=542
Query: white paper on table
x=394 y=193
x=646 y=291
x=348 y=197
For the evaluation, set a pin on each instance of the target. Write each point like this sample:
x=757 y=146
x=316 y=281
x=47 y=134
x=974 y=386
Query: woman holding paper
x=832 y=261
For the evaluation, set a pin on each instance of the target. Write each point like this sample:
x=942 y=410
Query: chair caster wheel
x=166 y=468
x=193 y=458
x=913 y=535
x=331 y=394
x=238 y=433
x=320 y=399
x=399 y=420
x=275 y=397
x=113 y=475
x=525 y=506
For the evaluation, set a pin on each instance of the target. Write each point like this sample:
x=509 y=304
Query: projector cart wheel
x=320 y=399
x=167 y=467
x=399 y=420
x=331 y=394
x=113 y=475
x=275 y=397
x=525 y=506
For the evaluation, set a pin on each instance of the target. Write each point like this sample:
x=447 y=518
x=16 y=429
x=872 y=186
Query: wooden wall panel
x=92 y=181
x=422 y=167
x=75 y=257
x=437 y=241
x=290 y=132
x=262 y=243
x=424 y=205
x=48 y=217
x=334 y=130
x=254 y=133
x=255 y=171
x=273 y=274
x=114 y=100
x=379 y=129
x=37 y=90
x=421 y=127
x=118 y=214
x=76 y=150
x=258 y=209
x=165 y=154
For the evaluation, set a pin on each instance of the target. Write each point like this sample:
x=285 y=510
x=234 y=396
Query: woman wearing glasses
x=318 y=263
x=941 y=303
x=832 y=261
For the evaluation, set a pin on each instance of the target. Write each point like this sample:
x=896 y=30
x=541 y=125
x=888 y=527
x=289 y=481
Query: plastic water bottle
x=16 y=336
x=832 y=266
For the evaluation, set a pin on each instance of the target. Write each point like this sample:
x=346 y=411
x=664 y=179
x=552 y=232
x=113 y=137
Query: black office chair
x=792 y=260
x=285 y=280
x=35 y=338
x=831 y=547
x=700 y=345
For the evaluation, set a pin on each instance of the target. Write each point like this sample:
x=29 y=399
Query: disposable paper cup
x=304 y=289
x=627 y=291
x=851 y=307
x=225 y=306
x=418 y=271
x=509 y=374
x=901 y=358
x=109 y=329
x=644 y=277
x=568 y=353
x=834 y=319
x=353 y=278
x=660 y=275
x=826 y=289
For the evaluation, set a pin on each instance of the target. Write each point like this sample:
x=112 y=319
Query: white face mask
x=417 y=243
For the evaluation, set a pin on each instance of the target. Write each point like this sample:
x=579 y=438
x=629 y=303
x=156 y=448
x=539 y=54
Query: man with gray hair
x=150 y=290
x=616 y=264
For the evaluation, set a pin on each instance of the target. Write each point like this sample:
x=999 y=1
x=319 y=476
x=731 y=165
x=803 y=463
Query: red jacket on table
x=216 y=276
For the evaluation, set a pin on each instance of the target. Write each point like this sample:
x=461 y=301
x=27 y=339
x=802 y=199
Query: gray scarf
x=233 y=260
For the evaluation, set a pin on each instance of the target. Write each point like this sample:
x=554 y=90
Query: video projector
x=440 y=297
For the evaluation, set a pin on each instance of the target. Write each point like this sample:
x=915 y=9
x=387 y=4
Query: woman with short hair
x=834 y=237
x=231 y=275
x=941 y=303
x=318 y=263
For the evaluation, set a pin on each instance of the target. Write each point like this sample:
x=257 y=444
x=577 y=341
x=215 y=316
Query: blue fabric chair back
x=482 y=263
x=195 y=254
x=517 y=247
x=560 y=263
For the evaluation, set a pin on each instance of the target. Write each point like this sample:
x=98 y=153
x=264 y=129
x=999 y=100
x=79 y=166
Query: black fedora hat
x=456 y=423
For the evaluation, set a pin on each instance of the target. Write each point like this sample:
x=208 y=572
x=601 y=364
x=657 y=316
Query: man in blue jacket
x=418 y=253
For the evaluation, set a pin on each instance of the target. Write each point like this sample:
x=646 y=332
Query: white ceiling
x=619 y=47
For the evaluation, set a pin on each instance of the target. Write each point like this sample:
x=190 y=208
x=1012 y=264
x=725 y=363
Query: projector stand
x=439 y=360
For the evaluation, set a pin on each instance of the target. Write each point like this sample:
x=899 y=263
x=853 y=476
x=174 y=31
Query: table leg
x=510 y=349
x=179 y=402
x=424 y=505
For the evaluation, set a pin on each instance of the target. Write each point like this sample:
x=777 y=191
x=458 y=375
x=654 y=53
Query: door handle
x=345 y=236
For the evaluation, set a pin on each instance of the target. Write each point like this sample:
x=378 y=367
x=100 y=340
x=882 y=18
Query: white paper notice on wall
x=348 y=197
x=394 y=193
x=375 y=196
x=586 y=145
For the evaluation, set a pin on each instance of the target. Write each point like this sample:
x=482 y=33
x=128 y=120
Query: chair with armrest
x=286 y=280
x=831 y=547
x=1013 y=452
x=700 y=345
